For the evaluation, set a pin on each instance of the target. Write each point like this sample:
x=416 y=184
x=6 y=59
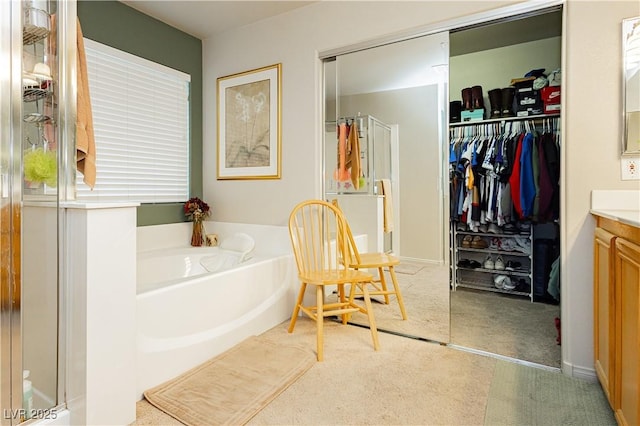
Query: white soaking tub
x=187 y=314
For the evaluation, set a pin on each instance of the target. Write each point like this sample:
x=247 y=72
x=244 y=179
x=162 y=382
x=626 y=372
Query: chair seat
x=375 y=260
x=344 y=276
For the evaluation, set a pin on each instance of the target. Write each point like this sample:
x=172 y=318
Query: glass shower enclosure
x=37 y=131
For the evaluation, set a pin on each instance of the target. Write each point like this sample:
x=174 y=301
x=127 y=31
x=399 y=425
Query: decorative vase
x=197 y=237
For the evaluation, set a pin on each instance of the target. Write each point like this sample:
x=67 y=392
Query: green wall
x=119 y=26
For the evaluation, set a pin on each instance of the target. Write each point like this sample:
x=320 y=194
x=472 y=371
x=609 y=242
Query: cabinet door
x=603 y=309
x=627 y=371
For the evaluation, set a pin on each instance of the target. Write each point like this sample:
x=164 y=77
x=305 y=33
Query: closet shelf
x=489 y=287
x=523 y=274
x=488 y=250
x=504 y=119
x=499 y=235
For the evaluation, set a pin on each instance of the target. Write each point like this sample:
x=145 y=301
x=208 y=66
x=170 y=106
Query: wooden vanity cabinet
x=617 y=316
x=604 y=309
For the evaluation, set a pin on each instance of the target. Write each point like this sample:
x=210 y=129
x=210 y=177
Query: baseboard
x=579 y=372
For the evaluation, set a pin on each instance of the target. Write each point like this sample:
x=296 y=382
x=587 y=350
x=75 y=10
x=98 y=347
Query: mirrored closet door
x=394 y=96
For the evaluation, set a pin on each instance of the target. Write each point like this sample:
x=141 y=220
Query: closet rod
x=504 y=119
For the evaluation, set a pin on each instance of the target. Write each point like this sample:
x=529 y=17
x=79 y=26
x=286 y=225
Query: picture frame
x=249 y=124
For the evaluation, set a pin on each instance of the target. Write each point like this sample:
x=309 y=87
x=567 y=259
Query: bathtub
x=187 y=314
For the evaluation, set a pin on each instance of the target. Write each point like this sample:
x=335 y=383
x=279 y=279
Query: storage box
x=552 y=108
x=551 y=99
x=473 y=115
x=550 y=94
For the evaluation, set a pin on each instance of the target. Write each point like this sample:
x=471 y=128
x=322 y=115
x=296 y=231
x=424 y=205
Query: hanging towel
x=341 y=174
x=387 y=202
x=353 y=155
x=85 y=138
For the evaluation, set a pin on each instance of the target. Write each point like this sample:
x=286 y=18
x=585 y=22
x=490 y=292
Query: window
x=141 y=122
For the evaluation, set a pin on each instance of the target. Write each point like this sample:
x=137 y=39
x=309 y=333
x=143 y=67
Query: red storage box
x=550 y=95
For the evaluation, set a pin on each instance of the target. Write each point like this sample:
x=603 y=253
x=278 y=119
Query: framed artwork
x=249 y=124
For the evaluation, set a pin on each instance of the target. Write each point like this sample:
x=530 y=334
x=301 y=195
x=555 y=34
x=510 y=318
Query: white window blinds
x=141 y=121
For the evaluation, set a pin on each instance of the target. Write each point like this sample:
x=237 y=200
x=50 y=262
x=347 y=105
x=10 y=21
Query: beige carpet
x=426 y=300
x=406 y=382
x=521 y=395
x=232 y=387
x=505 y=325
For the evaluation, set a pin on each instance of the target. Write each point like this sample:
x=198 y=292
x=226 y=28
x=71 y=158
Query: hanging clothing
x=341 y=174
x=527 y=184
x=353 y=155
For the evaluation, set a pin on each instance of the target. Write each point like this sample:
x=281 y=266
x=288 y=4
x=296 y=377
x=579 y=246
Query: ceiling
x=398 y=65
x=204 y=19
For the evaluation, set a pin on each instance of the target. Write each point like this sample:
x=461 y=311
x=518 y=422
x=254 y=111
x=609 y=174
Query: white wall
x=415 y=111
x=592 y=112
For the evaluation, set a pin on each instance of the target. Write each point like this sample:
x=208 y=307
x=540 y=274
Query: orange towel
x=342 y=174
x=353 y=155
x=85 y=138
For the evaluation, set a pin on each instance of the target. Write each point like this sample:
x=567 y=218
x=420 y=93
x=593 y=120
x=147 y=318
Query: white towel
x=385 y=189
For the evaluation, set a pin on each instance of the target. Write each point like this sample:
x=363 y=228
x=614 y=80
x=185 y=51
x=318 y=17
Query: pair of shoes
x=478 y=242
x=503 y=282
x=469 y=263
x=512 y=265
x=489 y=263
x=499 y=264
x=522 y=286
x=466 y=241
x=509 y=228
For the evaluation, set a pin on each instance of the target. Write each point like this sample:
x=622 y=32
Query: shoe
x=507 y=244
x=488 y=263
x=495 y=99
x=495 y=244
x=466 y=241
x=512 y=265
x=482 y=228
x=477 y=99
x=507 y=284
x=522 y=286
x=493 y=229
x=499 y=264
x=503 y=282
x=508 y=93
x=474 y=264
x=466 y=99
x=478 y=242
x=509 y=228
x=463 y=263
x=461 y=226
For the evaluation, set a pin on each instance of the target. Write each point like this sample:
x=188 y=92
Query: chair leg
x=320 y=321
x=372 y=321
x=394 y=280
x=296 y=309
x=383 y=284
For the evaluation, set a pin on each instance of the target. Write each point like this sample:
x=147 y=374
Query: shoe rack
x=493 y=259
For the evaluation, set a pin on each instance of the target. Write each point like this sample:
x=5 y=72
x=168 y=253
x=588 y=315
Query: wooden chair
x=356 y=260
x=318 y=237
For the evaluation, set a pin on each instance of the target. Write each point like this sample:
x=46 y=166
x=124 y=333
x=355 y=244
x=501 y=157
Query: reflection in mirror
x=394 y=94
x=631 y=85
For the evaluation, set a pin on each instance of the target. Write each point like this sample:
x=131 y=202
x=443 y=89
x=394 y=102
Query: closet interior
x=503 y=159
x=498 y=243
